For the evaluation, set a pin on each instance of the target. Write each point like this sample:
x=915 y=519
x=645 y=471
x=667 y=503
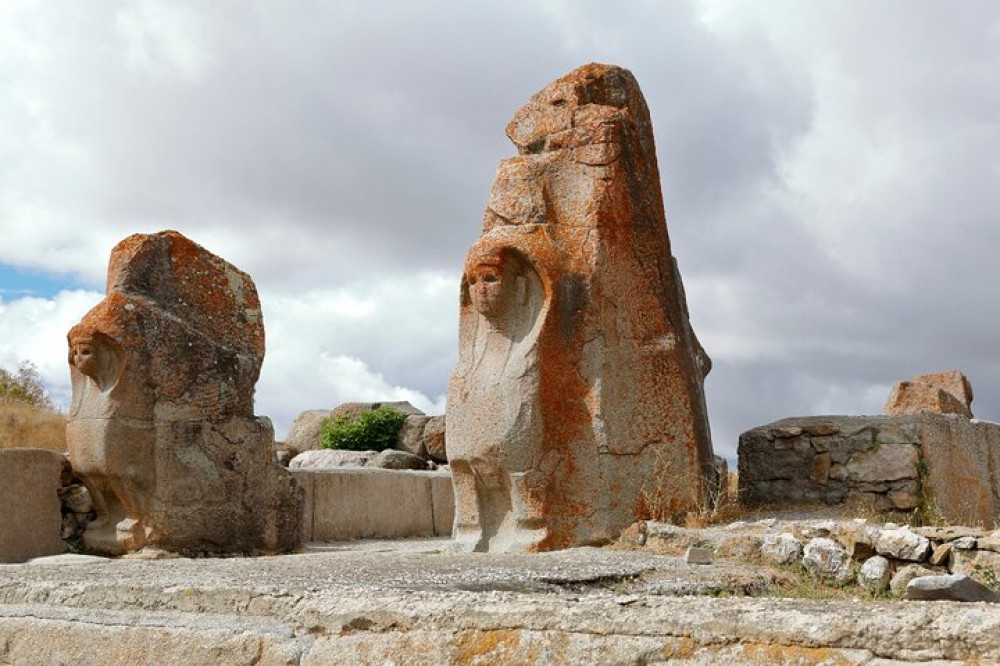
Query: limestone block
x=874 y=574
x=902 y=544
x=698 y=555
x=827 y=559
x=938 y=393
x=307 y=429
x=576 y=406
x=161 y=425
x=941 y=555
x=361 y=503
x=354 y=409
x=883 y=462
x=328 y=458
x=442 y=503
x=393 y=459
x=29 y=495
x=781 y=548
x=901 y=579
x=954 y=587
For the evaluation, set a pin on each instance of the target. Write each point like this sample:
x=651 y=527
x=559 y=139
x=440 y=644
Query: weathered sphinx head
x=490 y=276
x=94 y=355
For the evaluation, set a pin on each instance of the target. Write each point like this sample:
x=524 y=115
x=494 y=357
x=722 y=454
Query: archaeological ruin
x=576 y=407
x=575 y=418
x=926 y=453
x=161 y=425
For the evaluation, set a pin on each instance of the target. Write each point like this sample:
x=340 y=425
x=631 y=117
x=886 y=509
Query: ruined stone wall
x=945 y=464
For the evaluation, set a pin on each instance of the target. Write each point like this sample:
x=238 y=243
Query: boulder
x=937 y=393
x=874 y=574
x=954 y=587
x=940 y=555
x=827 y=559
x=393 y=459
x=354 y=409
x=305 y=432
x=433 y=439
x=411 y=435
x=781 y=548
x=576 y=406
x=161 y=425
x=30 y=480
x=902 y=544
x=331 y=458
x=901 y=579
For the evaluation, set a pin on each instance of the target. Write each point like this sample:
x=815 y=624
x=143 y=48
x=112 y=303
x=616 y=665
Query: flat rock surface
x=415 y=602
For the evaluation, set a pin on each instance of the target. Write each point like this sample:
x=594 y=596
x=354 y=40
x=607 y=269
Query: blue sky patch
x=16 y=282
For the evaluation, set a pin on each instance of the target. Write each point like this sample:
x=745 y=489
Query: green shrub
x=373 y=430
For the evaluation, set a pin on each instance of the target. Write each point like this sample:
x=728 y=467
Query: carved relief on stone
x=576 y=406
x=161 y=424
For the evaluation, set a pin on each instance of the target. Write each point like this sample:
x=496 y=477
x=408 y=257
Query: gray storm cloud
x=830 y=174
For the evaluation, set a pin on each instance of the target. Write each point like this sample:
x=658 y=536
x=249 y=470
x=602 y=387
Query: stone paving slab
x=412 y=602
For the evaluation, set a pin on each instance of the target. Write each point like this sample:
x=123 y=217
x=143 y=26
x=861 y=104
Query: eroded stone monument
x=161 y=425
x=577 y=403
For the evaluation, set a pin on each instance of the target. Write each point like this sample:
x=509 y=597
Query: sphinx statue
x=161 y=424
x=577 y=405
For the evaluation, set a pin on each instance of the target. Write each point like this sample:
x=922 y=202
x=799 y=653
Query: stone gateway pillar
x=161 y=425
x=576 y=406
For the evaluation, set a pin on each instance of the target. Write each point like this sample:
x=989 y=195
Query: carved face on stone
x=84 y=355
x=95 y=356
x=489 y=287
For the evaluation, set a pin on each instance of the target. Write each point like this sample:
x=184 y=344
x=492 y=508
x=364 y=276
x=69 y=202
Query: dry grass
x=724 y=507
x=25 y=426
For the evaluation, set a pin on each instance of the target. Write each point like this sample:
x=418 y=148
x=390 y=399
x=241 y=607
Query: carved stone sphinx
x=161 y=424
x=576 y=406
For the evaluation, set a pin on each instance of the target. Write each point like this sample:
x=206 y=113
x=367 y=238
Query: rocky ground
x=414 y=602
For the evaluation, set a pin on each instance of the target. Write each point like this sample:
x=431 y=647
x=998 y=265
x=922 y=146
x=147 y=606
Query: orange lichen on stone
x=936 y=393
x=161 y=423
x=577 y=397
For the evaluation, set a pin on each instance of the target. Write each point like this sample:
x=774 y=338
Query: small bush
x=24 y=386
x=374 y=430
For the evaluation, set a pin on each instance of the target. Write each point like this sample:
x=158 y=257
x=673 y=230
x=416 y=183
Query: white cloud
x=831 y=183
x=34 y=329
x=316 y=341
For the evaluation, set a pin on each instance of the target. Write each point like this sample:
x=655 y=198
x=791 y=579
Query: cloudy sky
x=831 y=172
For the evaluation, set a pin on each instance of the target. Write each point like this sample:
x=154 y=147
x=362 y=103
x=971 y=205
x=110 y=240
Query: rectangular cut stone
x=443 y=503
x=357 y=503
x=29 y=486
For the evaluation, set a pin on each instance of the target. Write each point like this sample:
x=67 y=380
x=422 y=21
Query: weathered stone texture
x=161 y=425
x=365 y=503
x=30 y=480
x=937 y=393
x=946 y=461
x=576 y=406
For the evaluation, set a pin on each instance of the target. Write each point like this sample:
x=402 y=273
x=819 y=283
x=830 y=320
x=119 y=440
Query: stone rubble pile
x=963 y=562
